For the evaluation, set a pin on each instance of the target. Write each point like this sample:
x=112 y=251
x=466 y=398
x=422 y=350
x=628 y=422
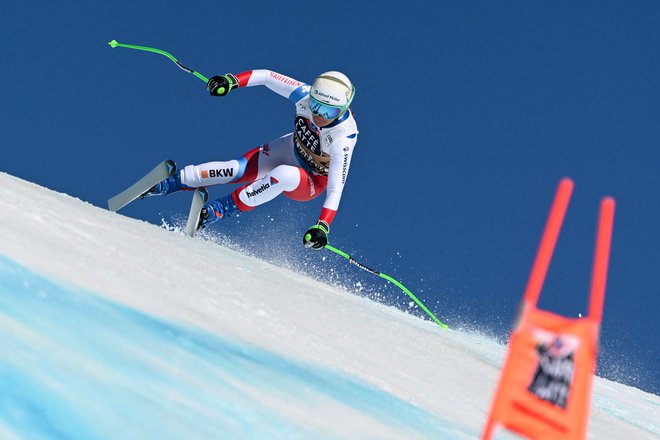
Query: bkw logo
x=227 y=172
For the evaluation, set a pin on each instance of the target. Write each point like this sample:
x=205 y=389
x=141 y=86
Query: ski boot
x=167 y=186
x=217 y=209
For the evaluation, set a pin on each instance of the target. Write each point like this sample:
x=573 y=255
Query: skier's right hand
x=220 y=85
x=317 y=236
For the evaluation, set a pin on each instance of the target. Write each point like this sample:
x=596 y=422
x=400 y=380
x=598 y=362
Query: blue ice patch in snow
x=74 y=365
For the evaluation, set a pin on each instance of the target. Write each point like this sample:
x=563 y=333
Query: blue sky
x=469 y=114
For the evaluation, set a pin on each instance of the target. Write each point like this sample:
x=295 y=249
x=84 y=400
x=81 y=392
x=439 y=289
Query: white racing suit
x=300 y=164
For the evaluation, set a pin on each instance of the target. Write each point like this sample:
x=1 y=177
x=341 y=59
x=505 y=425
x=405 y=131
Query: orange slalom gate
x=544 y=390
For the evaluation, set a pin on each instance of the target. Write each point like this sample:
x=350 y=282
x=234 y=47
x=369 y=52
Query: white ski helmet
x=333 y=89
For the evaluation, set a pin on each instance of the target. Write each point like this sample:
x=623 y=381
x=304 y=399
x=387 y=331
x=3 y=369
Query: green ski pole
x=114 y=44
x=388 y=278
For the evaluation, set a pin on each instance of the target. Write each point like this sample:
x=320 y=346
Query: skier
x=302 y=164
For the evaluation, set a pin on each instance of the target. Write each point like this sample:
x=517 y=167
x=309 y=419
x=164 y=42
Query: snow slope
x=112 y=325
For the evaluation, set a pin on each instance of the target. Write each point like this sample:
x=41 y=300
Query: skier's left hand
x=317 y=236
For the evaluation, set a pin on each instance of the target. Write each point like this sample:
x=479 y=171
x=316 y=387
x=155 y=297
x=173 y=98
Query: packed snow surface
x=116 y=328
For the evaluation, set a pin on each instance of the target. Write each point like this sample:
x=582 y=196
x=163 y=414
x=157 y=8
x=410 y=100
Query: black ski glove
x=317 y=236
x=220 y=85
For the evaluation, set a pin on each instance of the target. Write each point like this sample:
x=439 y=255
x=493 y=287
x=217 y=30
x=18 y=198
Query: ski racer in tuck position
x=315 y=157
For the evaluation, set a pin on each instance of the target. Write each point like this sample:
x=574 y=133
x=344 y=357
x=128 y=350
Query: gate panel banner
x=544 y=391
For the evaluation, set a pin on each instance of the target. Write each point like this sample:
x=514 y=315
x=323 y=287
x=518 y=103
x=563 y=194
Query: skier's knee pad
x=287 y=176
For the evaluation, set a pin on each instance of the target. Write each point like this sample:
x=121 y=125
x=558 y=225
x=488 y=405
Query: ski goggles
x=326 y=111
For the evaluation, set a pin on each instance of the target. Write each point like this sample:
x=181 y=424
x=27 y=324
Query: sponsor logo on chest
x=308 y=135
